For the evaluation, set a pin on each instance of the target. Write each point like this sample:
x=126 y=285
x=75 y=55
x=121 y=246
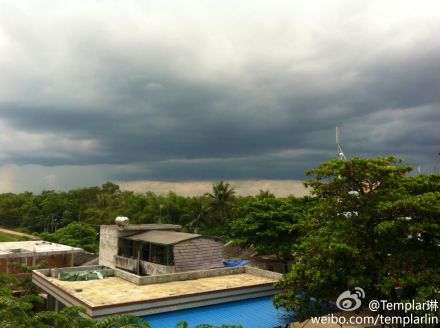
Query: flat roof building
x=34 y=251
x=148 y=269
x=119 y=292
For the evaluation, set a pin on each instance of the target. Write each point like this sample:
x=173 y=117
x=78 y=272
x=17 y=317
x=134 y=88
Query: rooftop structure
x=159 y=237
x=119 y=291
x=33 y=251
x=157 y=249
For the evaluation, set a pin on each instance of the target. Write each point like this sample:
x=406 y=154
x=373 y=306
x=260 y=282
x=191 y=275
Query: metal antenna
x=341 y=155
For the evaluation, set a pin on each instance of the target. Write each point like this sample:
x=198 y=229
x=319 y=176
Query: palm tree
x=197 y=216
x=263 y=194
x=222 y=198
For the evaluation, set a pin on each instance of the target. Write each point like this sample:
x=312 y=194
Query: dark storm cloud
x=180 y=97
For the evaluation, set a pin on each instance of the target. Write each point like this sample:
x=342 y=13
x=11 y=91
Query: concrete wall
x=153 y=269
x=263 y=273
x=108 y=243
x=143 y=267
x=178 y=276
x=126 y=263
x=53 y=261
x=83 y=257
x=55 y=272
x=198 y=254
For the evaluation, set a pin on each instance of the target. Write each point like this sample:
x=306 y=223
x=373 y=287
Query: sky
x=162 y=93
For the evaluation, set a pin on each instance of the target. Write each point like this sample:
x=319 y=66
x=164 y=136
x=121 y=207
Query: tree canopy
x=373 y=227
x=221 y=199
x=75 y=234
x=270 y=225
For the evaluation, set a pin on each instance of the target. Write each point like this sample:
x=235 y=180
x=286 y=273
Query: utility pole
x=160 y=213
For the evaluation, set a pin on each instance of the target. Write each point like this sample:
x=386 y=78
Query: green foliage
x=51 y=211
x=222 y=199
x=182 y=324
x=69 y=317
x=7 y=284
x=366 y=224
x=25 y=284
x=122 y=321
x=270 y=225
x=264 y=194
x=198 y=214
x=371 y=227
x=19 y=312
x=4 y=237
x=75 y=234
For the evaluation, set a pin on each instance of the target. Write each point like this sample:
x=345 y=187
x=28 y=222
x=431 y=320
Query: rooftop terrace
x=114 y=290
x=40 y=247
x=122 y=292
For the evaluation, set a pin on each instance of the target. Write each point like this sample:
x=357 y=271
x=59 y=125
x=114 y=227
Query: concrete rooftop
x=8 y=249
x=114 y=290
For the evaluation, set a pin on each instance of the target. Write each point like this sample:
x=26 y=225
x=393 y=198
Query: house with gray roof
x=158 y=249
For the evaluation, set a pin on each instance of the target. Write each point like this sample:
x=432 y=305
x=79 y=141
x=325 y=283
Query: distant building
x=152 y=249
x=34 y=251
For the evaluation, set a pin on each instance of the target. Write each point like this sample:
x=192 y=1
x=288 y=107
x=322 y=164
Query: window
x=159 y=254
x=145 y=251
x=125 y=248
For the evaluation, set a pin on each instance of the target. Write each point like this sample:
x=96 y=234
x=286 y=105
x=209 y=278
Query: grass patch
x=6 y=237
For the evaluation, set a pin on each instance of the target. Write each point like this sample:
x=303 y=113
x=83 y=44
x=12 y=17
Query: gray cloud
x=212 y=91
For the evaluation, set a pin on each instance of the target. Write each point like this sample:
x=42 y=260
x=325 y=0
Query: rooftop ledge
x=142 y=227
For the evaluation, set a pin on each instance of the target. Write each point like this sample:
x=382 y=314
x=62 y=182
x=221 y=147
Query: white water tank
x=121 y=221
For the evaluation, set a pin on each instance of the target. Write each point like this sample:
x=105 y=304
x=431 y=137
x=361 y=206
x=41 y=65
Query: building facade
x=29 y=253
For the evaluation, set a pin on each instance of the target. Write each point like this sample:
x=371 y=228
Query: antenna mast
x=341 y=155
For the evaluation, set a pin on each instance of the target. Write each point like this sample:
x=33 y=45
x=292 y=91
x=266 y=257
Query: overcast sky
x=187 y=91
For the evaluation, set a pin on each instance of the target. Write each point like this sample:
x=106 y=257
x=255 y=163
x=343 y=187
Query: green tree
x=122 y=321
x=270 y=225
x=371 y=227
x=264 y=194
x=32 y=217
x=10 y=209
x=19 y=312
x=221 y=199
x=76 y=234
x=197 y=214
x=106 y=206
